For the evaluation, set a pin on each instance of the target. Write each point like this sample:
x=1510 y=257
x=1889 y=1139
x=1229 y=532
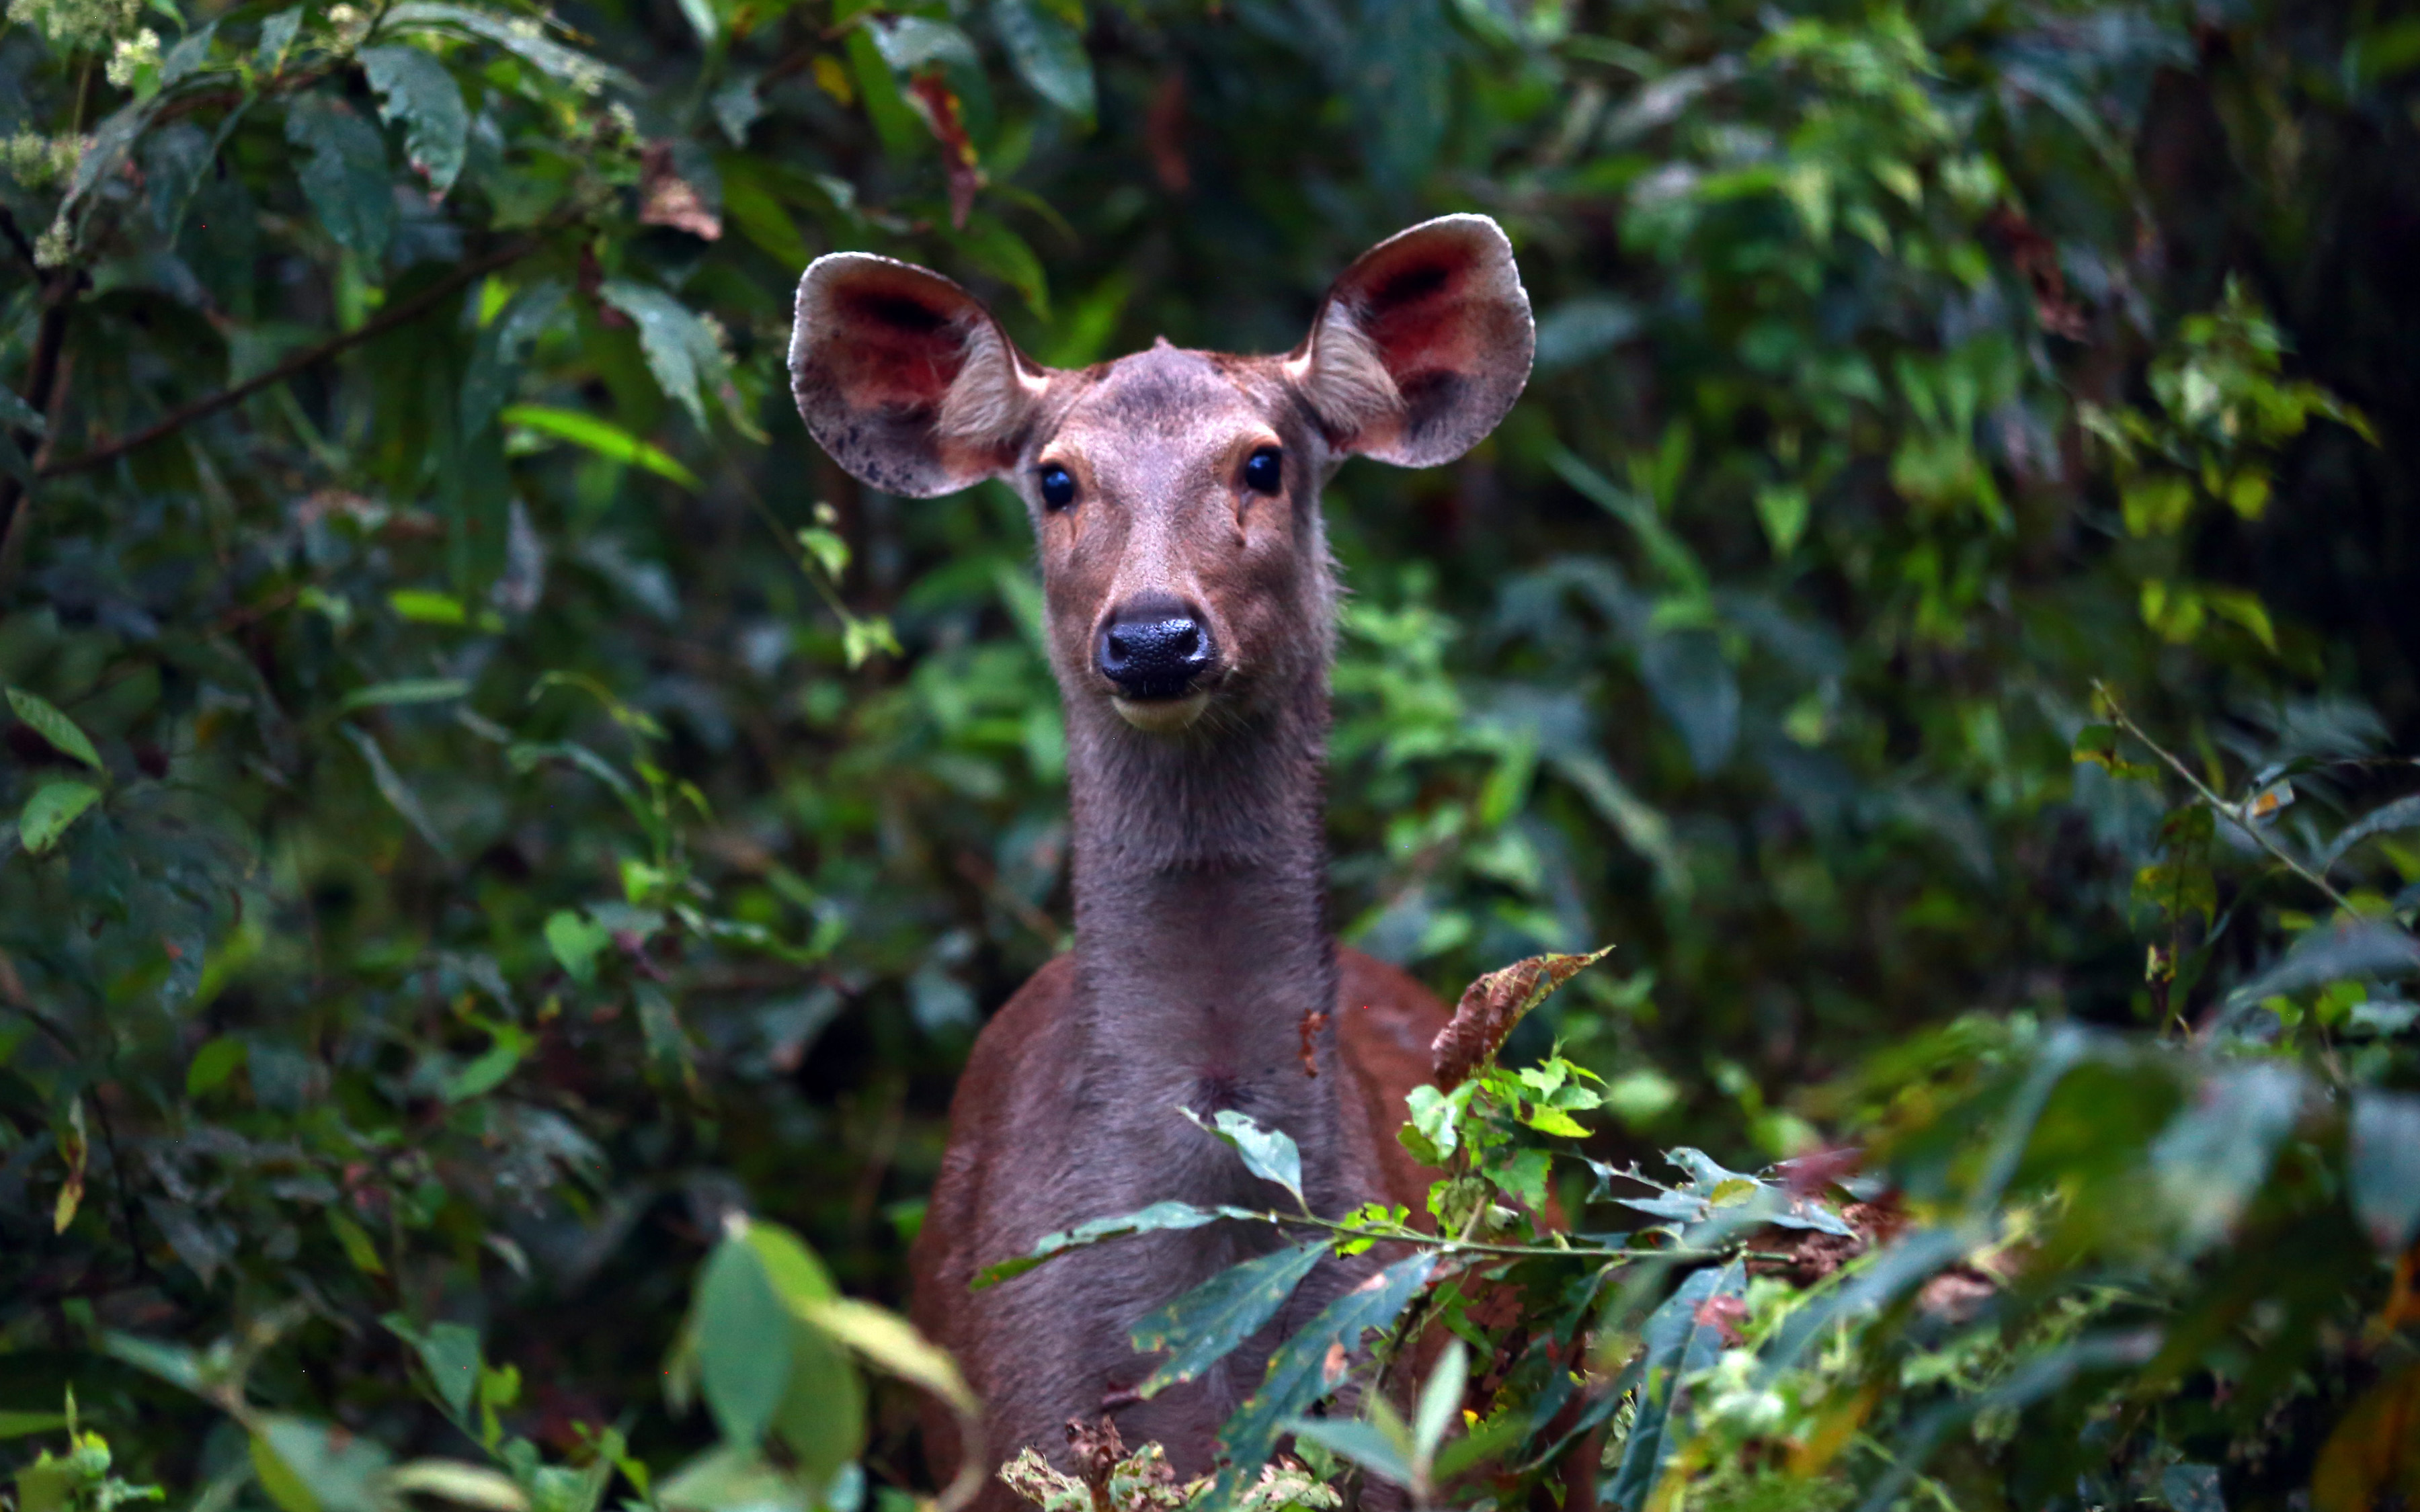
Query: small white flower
x=133 y=56
x=56 y=245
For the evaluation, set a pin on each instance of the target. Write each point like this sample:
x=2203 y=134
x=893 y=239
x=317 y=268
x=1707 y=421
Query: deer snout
x=1157 y=654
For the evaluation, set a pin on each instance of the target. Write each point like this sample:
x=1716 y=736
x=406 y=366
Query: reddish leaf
x=1492 y=1006
x=665 y=198
x=939 y=105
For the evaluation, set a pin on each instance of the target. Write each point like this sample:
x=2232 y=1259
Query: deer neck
x=1201 y=937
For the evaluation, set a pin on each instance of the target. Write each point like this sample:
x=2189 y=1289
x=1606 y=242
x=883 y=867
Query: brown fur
x=1204 y=974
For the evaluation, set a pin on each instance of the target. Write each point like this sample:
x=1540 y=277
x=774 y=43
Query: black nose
x=1154 y=650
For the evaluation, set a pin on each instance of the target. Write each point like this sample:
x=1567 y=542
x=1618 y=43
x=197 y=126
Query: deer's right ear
x=906 y=378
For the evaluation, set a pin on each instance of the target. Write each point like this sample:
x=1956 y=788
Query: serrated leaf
x=681 y=351
x=64 y=734
x=346 y=177
x=1206 y=1326
x=1492 y=1006
x=415 y=91
x=55 y=805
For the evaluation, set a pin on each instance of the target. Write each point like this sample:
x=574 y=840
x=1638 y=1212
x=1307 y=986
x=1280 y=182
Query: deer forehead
x=1167 y=419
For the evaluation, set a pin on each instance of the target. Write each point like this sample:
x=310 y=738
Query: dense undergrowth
x=508 y=845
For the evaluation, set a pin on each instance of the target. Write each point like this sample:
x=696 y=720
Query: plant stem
x=2233 y=813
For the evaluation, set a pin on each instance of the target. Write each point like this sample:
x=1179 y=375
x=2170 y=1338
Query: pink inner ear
x=897 y=349
x=1415 y=316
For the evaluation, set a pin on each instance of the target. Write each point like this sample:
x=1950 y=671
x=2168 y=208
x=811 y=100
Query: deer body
x=1190 y=610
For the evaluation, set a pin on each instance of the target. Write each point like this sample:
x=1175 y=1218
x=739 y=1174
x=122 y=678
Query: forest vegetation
x=506 y=846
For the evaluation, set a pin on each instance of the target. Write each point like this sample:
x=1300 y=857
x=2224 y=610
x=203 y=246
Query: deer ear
x=906 y=378
x=1422 y=344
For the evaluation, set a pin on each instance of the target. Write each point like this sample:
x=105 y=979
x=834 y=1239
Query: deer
x=1190 y=614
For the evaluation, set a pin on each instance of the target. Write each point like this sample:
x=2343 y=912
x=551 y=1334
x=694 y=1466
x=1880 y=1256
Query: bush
x=503 y=828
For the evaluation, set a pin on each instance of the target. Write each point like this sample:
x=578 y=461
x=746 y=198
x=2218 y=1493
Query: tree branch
x=400 y=313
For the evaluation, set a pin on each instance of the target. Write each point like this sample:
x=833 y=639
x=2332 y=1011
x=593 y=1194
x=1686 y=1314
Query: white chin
x=1161 y=717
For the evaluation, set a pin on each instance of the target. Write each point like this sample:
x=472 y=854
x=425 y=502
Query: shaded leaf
x=2385 y=1166
x=1048 y=53
x=1677 y=1343
x=415 y=91
x=344 y=177
x=1298 y=1373
x=1158 y=1217
x=1204 y=1325
x=55 y=727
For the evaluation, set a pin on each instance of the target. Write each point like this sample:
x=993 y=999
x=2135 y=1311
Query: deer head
x=1174 y=493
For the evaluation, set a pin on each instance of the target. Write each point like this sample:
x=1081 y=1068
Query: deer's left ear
x=1422 y=344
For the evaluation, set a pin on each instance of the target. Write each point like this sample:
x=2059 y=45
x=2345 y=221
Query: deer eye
x=1058 y=488
x=1265 y=470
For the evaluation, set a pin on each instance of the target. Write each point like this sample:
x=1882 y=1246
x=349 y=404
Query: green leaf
x=464 y=1485
x=404 y=690
x=1049 y=55
x=1677 y=1345
x=356 y=1244
x=1298 y=1373
x=55 y=727
x=681 y=351
x=397 y=791
x=892 y=1344
x=743 y=1342
x=1364 y=1443
x=490 y=1069
x=1782 y=509
x=894 y=120
x=1440 y=1399
x=584 y=73
x=2191 y=1489
x=415 y=91
x=2385 y=1166
x=450 y=1353
x=344 y=177
x=310 y=1466
x=576 y=943
x=992 y=249
x=1155 y=1218
x=1269 y=1153
x=602 y=436
x=425 y=606
x=2403 y=814
x=1204 y=1325
x=17 y=1424
x=2355 y=947
x=55 y=805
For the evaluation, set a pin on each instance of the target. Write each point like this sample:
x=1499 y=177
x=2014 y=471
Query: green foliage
x=485 y=802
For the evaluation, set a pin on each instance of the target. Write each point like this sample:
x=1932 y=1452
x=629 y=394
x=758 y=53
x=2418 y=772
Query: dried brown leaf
x=1492 y=1006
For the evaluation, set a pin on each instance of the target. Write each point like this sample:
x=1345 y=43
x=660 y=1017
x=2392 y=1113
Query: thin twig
x=400 y=313
x=2233 y=813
